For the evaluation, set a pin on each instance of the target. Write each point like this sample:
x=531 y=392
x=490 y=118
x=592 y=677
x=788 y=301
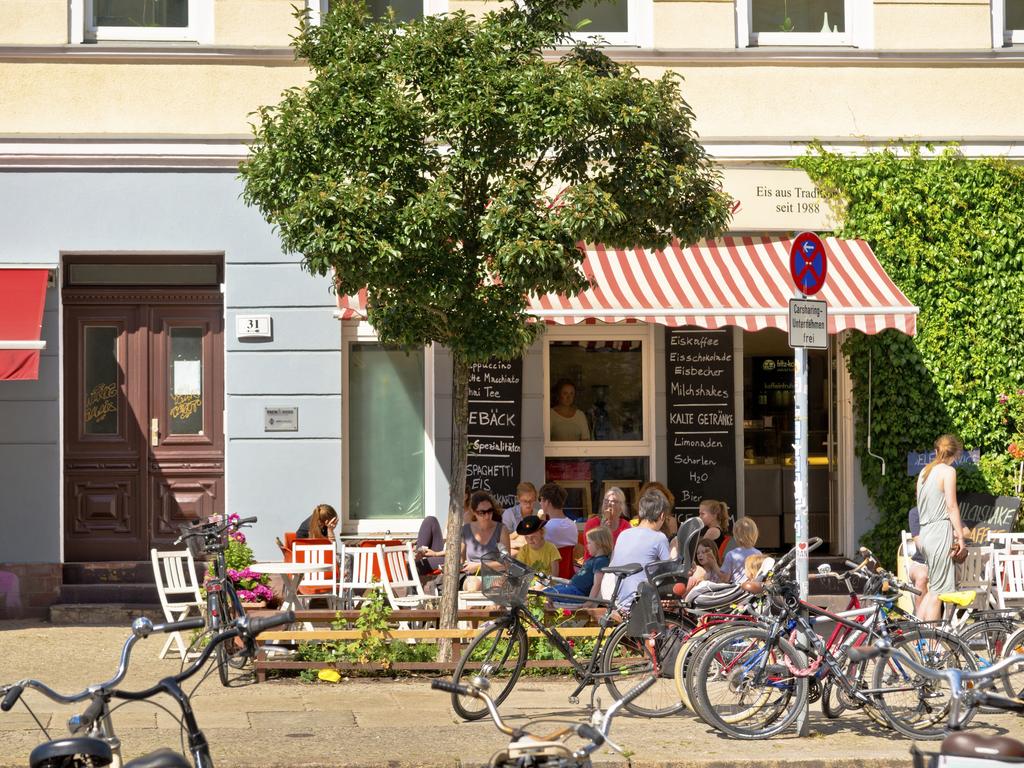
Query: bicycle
x=967 y=693
x=94 y=742
x=223 y=606
x=635 y=648
x=529 y=750
x=753 y=682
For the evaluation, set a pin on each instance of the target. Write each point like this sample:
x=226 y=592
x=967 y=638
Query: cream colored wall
x=33 y=22
x=732 y=103
x=903 y=24
x=254 y=22
x=689 y=24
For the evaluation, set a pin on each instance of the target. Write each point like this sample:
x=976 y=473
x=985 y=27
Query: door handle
x=154 y=433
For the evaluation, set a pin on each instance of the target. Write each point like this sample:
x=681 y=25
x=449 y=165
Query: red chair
x=314 y=589
x=382 y=542
x=566 y=564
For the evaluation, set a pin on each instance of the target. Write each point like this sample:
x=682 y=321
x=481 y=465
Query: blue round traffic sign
x=808 y=263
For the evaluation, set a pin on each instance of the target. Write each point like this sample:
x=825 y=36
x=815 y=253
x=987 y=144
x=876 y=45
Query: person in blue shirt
x=587 y=583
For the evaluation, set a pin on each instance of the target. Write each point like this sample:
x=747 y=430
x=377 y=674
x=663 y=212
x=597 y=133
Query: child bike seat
x=56 y=753
x=708 y=595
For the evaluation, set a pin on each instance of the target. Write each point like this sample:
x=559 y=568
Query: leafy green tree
x=451 y=168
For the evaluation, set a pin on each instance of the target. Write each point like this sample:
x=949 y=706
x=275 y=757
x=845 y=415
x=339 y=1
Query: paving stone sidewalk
x=375 y=722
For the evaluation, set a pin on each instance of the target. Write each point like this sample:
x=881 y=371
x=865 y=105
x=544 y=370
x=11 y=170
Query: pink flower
x=1003 y=398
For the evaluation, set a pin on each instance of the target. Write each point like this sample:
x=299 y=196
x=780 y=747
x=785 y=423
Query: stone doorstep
x=102 y=614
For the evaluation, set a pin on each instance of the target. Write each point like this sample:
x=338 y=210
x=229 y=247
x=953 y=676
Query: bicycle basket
x=505 y=581
x=645 y=612
x=209 y=542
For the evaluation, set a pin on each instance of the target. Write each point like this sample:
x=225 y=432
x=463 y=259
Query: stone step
x=121 y=572
x=145 y=594
x=103 y=614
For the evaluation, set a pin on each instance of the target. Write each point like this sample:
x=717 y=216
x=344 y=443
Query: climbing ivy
x=949 y=230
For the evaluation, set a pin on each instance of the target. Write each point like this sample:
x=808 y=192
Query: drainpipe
x=872 y=455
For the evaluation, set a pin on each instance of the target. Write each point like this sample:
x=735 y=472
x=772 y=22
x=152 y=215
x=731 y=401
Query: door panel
x=144 y=442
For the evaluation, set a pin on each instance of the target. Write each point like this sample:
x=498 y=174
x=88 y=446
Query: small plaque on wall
x=253 y=327
x=280 y=419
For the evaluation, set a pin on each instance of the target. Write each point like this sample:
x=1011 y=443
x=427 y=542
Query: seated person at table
x=526 y=501
x=587 y=583
x=559 y=530
x=538 y=554
x=613 y=509
x=481 y=535
x=429 y=546
x=706 y=567
x=641 y=545
x=671 y=527
x=744 y=534
x=319 y=525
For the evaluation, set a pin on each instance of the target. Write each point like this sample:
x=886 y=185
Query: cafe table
x=291 y=576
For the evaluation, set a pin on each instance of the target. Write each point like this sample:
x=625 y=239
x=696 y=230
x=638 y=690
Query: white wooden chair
x=1008 y=569
x=178 y=588
x=975 y=573
x=317 y=583
x=355 y=574
x=398 y=572
x=1012 y=541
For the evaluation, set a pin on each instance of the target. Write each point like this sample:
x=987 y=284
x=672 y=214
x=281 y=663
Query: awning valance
x=22 y=296
x=740 y=281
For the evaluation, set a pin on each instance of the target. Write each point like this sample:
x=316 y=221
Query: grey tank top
x=474 y=549
x=931 y=501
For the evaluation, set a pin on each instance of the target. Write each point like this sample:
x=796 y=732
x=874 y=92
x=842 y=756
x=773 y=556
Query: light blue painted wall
x=277 y=476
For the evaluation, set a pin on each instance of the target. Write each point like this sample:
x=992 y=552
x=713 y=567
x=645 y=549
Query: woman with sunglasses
x=482 y=534
x=613 y=510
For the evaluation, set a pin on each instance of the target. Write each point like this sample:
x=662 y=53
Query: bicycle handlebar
x=204 y=529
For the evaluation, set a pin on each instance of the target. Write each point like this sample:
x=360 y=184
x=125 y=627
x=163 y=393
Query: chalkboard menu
x=700 y=407
x=983 y=512
x=495 y=429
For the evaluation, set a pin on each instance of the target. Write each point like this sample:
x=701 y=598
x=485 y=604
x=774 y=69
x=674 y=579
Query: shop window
x=142 y=20
x=587 y=480
x=385 y=436
x=596 y=390
x=804 y=22
x=1008 y=22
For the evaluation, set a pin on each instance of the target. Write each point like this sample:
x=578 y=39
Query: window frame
x=643 y=333
x=363 y=333
x=1001 y=36
x=199 y=29
x=639 y=32
x=858 y=34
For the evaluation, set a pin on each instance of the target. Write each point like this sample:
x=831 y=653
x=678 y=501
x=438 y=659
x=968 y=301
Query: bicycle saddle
x=55 y=753
x=161 y=758
x=962 y=599
x=965 y=744
x=626 y=570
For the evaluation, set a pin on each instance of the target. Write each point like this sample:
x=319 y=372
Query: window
x=804 y=22
x=385 y=438
x=616 y=22
x=146 y=20
x=1007 y=22
x=405 y=10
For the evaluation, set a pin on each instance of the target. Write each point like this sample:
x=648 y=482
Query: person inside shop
x=587 y=583
x=942 y=535
x=319 y=525
x=481 y=535
x=613 y=510
x=918 y=565
x=744 y=535
x=706 y=566
x=642 y=545
x=559 y=530
x=567 y=421
x=538 y=555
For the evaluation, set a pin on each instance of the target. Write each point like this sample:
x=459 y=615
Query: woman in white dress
x=567 y=421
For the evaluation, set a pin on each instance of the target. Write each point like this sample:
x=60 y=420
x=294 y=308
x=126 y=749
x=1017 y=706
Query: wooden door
x=143 y=434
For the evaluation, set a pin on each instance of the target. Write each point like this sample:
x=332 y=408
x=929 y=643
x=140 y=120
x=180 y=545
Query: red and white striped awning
x=741 y=281
x=22 y=298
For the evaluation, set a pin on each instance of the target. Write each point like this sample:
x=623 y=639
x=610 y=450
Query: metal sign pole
x=800 y=465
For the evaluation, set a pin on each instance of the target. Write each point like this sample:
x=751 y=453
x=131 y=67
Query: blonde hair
x=721 y=510
x=602 y=539
x=745 y=532
x=946 y=447
x=752 y=564
x=618 y=494
x=322 y=514
x=525 y=487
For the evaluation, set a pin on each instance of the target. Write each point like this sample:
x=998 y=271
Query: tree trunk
x=456 y=494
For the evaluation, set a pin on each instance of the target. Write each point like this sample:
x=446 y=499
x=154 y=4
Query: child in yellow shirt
x=538 y=554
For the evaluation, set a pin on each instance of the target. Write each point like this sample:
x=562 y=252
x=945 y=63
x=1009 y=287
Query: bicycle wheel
x=745 y=686
x=498 y=654
x=224 y=619
x=834 y=698
x=918 y=706
x=688 y=658
x=1013 y=678
x=627 y=660
x=986 y=639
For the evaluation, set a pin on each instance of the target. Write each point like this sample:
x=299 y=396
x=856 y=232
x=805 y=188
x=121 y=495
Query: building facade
x=191 y=367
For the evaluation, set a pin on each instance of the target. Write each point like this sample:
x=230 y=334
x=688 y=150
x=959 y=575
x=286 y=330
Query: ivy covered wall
x=950 y=232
